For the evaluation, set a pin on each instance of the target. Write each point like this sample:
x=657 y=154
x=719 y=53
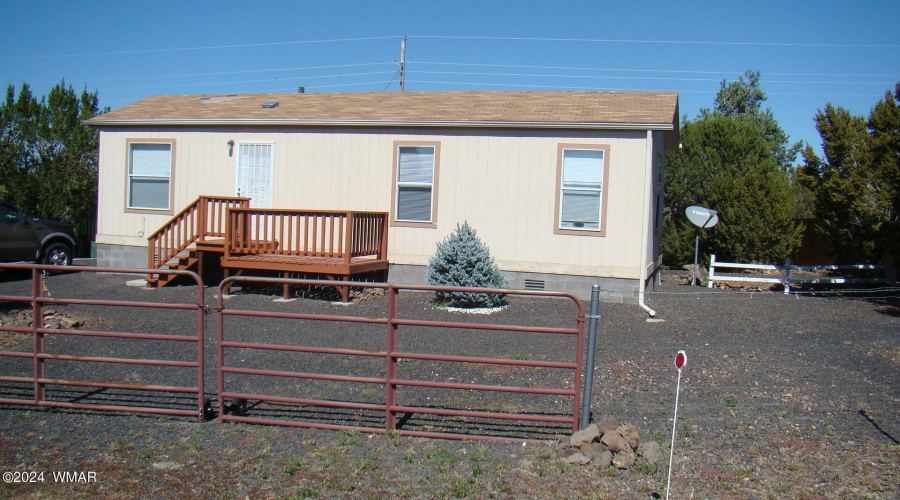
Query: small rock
x=624 y=460
x=650 y=451
x=603 y=460
x=630 y=434
x=607 y=424
x=585 y=435
x=565 y=452
x=592 y=450
x=577 y=458
x=68 y=323
x=615 y=442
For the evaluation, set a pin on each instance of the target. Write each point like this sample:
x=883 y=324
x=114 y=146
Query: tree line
x=48 y=156
x=734 y=158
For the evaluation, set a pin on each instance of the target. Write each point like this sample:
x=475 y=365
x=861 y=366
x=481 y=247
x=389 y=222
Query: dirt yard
x=783 y=397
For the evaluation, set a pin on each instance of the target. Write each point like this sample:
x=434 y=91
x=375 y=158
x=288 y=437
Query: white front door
x=254 y=173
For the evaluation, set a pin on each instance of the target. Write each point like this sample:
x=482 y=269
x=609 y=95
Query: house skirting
x=618 y=290
x=125 y=256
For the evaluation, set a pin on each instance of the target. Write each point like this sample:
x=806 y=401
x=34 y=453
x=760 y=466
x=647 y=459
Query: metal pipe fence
x=394 y=354
x=383 y=372
x=43 y=355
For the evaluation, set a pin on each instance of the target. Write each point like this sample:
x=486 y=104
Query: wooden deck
x=336 y=244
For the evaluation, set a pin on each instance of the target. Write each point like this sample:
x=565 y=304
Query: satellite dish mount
x=703 y=218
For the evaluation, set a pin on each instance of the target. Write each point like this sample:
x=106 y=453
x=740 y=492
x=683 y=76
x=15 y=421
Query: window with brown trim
x=582 y=174
x=150 y=169
x=415 y=183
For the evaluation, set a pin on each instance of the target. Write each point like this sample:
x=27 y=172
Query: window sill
x=150 y=211
x=580 y=232
x=426 y=225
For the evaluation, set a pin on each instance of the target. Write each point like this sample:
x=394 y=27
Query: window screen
x=415 y=183
x=149 y=176
x=582 y=189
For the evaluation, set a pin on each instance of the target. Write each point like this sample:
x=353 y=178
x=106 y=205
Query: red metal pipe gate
x=390 y=381
x=387 y=376
x=41 y=357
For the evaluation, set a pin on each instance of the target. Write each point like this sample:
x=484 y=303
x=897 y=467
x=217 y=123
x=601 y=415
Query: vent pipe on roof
x=301 y=90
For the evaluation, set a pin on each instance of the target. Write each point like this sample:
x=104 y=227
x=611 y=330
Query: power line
x=681 y=91
x=392 y=80
x=185 y=49
x=447 y=37
x=638 y=70
x=640 y=78
x=251 y=81
x=220 y=73
x=674 y=42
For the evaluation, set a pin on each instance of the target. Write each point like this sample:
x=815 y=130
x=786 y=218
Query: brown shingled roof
x=658 y=110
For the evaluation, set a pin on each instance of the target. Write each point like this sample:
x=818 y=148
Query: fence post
x=390 y=389
x=787 y=276
x=37 y=322
x=593 y=319
x=712 y=267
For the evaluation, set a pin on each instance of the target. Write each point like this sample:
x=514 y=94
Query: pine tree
x=857 y=183
x=48 y=155
x=735 y=159
x=463 y=260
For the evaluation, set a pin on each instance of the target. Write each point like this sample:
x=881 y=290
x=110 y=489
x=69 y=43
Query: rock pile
x=52 y=320
x=606 y=443
x=357 y=296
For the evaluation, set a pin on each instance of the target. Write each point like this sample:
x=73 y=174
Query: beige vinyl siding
x=501 y=181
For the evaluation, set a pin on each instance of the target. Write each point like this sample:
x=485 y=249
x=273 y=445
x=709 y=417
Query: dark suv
x=24 y=238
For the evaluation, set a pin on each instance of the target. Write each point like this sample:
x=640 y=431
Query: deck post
x=345 y=290
x=348 y=241
x=384 y=237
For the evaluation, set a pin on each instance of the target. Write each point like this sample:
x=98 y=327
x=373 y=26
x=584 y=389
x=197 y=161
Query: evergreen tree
x=857 y=183
x=734 y=159
x=884 y=127
x=48 y=156
x=463 y=260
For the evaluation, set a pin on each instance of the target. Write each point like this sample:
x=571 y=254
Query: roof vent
x=270 y=104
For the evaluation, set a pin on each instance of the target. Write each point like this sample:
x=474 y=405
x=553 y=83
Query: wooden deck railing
x=306 y=233
x=202 y=219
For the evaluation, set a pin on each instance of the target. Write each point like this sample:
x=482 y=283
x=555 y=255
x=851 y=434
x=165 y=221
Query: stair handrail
x=188 y=226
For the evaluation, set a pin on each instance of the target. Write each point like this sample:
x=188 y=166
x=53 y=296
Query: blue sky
x=810 y=53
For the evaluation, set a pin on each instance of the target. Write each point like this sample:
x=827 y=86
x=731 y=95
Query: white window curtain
x=149 y=176
x=415 y=183
x=582 y=189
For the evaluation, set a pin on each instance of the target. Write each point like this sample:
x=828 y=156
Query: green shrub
x=463 y=260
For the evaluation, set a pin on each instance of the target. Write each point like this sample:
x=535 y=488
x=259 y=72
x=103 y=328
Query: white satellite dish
x=702 y=217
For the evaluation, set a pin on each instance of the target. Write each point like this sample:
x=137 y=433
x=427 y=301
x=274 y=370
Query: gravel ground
x=783 y=397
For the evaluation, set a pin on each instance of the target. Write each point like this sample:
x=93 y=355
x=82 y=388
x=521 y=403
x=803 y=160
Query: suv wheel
x=57 y=254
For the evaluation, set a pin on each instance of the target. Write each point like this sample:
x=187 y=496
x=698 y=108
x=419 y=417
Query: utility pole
x=402 y=63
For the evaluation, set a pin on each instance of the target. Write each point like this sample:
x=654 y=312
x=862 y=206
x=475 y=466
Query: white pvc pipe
x=645 y=231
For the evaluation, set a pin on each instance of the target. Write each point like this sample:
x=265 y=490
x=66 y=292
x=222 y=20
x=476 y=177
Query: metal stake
x=680 y=362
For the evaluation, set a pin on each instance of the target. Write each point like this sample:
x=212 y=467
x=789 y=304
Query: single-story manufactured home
x=565 y=188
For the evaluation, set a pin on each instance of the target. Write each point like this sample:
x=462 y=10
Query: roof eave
x=383 y=123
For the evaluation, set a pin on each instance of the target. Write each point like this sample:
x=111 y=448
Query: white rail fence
x=786 y=280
